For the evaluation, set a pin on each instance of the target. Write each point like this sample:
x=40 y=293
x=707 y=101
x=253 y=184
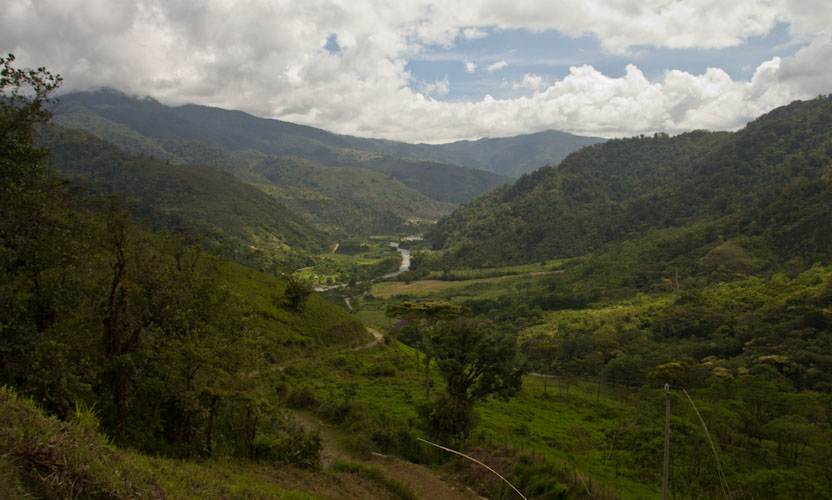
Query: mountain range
x=172 y=162
x=118 y=117
x=702 y=203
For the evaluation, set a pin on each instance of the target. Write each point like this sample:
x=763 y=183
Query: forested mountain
x=761 y=196
x=701 y=261
x=510 y=156
x=253 y=226
x=354 y=200
x=145 y=126
x=108 y=112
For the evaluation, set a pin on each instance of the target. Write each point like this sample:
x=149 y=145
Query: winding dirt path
x=425 y=483
x=378 y=338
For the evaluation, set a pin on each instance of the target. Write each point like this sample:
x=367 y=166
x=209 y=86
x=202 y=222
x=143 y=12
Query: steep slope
x=769 y=182
x=138 y=125
x=205 y=199
x=343 y=199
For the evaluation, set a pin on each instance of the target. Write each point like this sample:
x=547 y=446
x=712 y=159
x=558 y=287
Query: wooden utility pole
x=666 y=440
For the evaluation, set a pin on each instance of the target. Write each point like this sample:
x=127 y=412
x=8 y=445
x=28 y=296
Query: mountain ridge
x=767 y=185
x=237 y=130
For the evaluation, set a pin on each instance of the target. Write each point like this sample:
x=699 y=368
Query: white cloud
x=808 y=71
x=531 y=82
x=497 y=66
x=438 y=88
x=267 y=57
x=473 y=33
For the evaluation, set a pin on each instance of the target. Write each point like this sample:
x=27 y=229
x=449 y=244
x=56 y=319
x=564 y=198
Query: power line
x=613 y=383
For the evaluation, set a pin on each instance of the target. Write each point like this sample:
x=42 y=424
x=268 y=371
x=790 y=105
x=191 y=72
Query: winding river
x=405 y=265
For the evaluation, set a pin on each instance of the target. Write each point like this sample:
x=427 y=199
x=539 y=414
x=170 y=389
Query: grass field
x=570 y=425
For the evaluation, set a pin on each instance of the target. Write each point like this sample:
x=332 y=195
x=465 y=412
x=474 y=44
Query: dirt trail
x=378 y=338
x=424 y=482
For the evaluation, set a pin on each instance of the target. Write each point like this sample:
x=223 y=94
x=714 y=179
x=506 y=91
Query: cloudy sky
x=436 y=71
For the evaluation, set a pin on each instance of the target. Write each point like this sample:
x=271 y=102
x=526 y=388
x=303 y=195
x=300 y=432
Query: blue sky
x=550 y=54
x=442 y=70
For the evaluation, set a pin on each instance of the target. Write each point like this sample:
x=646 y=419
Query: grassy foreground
x=43 y=457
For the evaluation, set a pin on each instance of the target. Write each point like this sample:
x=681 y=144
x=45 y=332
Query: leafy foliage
x=474 y=361
x=98 y=312
x=297 y=292
x=665 y=203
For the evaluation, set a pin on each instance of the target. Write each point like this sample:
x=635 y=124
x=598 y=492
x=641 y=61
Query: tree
x=427 y=314
x=26 y=94
x=475 y=362
x=298 y=291
x=35 y=239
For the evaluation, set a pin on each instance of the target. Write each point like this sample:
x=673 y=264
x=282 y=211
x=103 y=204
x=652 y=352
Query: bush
x=336 y=408
x=301 y=397
x=382 y=369
x=359 y=444
x=447 y=420
x=291 y=445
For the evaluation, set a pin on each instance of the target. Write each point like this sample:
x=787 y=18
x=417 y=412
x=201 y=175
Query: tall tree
x=475 y=362
x=428 y=314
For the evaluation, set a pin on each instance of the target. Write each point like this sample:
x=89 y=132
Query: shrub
x=301 y=397
x=291 y=444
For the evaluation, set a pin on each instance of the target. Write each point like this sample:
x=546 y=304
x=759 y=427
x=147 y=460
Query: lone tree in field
x=475 y=362
x=427 y=314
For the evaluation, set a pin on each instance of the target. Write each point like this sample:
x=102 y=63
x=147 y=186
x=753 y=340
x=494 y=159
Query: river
x=405 y=265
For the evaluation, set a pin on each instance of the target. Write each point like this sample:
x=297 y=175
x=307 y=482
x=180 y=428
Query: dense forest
x=730 y=184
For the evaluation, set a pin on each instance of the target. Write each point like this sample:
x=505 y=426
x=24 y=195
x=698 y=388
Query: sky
x=444 y=70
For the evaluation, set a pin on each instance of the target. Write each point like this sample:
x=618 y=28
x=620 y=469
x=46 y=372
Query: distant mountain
x=204 y=199
x=705 y=203
x=354 y=200
x=146 y=126
x=509 y=156
x=235 y=131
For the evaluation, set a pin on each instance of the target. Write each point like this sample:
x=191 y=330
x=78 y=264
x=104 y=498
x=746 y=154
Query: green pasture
x=568 y=425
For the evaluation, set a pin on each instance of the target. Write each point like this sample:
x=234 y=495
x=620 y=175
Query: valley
x=199 y=303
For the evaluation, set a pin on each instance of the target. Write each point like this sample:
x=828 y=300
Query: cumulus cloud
x=270 y=58
x=473 y=33
x=531 y=82
x=497 y=66
x=438 y=87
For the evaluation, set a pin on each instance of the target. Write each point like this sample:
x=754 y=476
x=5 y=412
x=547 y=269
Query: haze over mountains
x=333 y=185
x=237 y=131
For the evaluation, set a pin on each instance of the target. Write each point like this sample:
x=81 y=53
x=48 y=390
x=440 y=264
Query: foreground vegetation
x=141 y=363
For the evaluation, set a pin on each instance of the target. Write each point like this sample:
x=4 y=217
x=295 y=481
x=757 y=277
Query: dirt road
x=424 y=482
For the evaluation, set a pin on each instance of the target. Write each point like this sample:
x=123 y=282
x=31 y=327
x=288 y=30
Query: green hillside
x=537 y=337
x=150 y=338
x=205 y=200
x=47 y=458
x=767 y=184
x=148 y=127
x=349 y=200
